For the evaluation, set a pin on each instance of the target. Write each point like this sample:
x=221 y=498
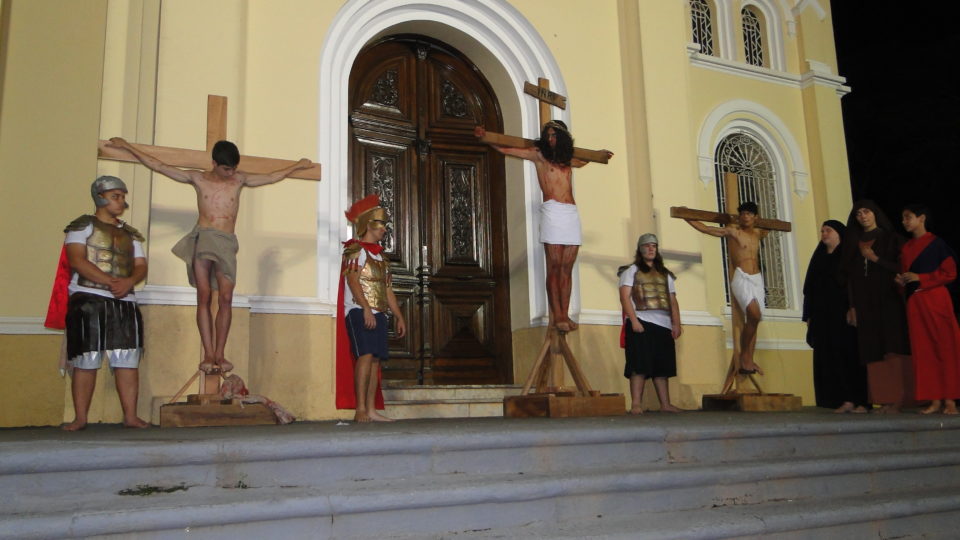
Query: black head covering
x=836 y=225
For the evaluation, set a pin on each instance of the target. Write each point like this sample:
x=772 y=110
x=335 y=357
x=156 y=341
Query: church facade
x=384 y=95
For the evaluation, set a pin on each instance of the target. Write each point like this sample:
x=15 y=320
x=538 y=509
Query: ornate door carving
x=414 y=103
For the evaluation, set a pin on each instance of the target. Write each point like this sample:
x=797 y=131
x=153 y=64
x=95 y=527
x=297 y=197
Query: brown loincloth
x=213 y=245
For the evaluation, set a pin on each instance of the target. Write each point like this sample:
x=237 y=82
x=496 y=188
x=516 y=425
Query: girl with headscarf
x=871 y=261
x=839 y=379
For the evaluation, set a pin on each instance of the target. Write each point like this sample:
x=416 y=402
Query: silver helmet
x=648 y=238
x=105 y=183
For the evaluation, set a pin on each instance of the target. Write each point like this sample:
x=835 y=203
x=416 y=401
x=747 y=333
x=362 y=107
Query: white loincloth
x=559 y=223
x=746 y=288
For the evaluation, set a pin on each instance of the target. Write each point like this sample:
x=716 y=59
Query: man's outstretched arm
x=153 y=163
x=255 y=180
x=530 y=153
x=719 y=232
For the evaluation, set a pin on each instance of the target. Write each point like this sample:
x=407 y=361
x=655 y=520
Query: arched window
x=700 y=17
x=757 y=181
x=752 y=37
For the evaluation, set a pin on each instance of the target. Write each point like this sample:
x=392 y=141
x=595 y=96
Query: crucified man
x=552 y=155
x=743 y=245
x=210 y=249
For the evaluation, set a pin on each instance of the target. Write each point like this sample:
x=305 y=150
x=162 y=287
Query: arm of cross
x=201 y=160
x=720 y=218
x=499 y=139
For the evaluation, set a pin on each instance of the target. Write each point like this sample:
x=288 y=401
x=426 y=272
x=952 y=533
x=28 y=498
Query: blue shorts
x=368 y=341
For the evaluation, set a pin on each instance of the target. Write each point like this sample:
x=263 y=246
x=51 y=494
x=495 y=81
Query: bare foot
x=207 y=367
x=933 y=408
x=950 y=407
x=377 y=417
x=136 y=423
x=636 y=409
x=669 y=408
x=565 y=326
x=845 y=408
x=361 y=417
x=224 y=365
x=860 y=409
x=76 y=425
x=749 y=367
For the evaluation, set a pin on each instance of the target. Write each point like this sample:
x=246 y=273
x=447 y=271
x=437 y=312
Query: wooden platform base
x=563 y=405
x=207 y=410
x=751 y=402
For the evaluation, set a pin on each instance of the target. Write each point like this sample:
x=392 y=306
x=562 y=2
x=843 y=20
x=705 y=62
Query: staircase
x=446 y=401
x=694 y=475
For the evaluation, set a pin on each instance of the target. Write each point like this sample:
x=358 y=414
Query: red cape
x=345 y=392
x=59 y=296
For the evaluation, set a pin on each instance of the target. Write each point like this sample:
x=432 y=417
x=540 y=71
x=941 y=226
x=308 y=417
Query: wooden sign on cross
x=200 y=159
x=732 y=201
x=547 y=99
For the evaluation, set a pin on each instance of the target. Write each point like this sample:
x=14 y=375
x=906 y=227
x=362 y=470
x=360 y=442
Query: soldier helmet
x=105 y=183
x=648 y=238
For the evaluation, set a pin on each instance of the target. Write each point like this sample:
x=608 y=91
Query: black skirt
x=97 y=324
x=650 y=353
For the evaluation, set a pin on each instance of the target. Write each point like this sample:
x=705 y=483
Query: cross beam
x=547 y=99
x=200 y=159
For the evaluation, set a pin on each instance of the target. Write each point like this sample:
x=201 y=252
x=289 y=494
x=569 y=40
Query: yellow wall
x=143 y=69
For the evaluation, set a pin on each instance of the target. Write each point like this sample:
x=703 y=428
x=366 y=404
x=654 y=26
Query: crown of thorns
x=556 y=125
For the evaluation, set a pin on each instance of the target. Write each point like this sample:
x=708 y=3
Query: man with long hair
x=651 y=323
x=552 y=155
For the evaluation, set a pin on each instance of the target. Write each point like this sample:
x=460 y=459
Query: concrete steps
x=697 y=475
x=447 y=401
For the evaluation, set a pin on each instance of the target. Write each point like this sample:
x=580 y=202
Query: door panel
x=414 y=104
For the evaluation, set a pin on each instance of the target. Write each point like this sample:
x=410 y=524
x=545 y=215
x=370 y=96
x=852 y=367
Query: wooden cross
x=732 y=201
x=200 y=159
x=547 y=99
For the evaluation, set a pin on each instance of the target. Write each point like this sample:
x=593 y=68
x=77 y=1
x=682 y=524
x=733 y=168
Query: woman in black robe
x=871 y=261
x=839 y=379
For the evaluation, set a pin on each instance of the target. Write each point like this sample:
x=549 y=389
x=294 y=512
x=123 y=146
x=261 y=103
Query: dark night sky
x=902 y=117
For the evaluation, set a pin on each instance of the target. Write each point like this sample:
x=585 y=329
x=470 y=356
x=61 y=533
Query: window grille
x=752 y=38
x=702 y=27
x=757 y=182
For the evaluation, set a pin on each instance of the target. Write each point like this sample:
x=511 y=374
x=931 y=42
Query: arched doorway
x=413 y=105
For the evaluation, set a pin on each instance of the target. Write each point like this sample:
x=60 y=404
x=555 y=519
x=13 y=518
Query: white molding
x=171 y=295
x=25 y=326
x=804 y=4
x=740 y=69
x=291 y=305
x=609 y=317
x=801 y=183
x=495 y=25
x=820 y=73
x=724 y=35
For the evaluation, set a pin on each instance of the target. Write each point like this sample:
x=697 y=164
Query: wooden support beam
x=683 y=212
x=499 y=139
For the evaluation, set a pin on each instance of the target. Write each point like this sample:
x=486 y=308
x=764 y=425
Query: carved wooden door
x=413 y=105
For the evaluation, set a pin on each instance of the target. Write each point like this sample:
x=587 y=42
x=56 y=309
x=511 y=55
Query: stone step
x=435 y=504
x=327 y=452
x=447 y=401
x=442 y=477
x=928 y=514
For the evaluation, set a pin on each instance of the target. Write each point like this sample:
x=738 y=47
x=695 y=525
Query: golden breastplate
x=650 y=291
x=111 y=250
x=373 y=281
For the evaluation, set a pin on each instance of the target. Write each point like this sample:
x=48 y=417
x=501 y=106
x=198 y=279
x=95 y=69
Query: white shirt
x=659 y=317
x=80 y=237
x=348 y=302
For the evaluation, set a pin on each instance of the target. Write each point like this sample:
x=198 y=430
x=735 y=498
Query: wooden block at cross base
x=555 y=406
x=215 y=414
x=751 y=402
